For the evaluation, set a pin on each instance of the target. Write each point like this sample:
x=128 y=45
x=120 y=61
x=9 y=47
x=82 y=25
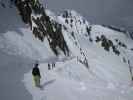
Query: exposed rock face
x=33 y=14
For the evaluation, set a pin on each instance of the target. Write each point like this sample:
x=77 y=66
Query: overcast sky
x=110 y=12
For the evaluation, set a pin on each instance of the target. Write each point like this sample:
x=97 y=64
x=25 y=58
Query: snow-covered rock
x=98 y=67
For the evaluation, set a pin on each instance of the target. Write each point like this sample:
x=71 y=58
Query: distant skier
x=36 y=75
x=51 y=66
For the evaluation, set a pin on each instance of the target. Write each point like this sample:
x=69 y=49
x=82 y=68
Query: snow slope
x=17 y=39
x=72 y=81
x=107 y=78
x=18 y=50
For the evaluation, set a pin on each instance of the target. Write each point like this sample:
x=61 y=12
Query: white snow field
x=107 y=78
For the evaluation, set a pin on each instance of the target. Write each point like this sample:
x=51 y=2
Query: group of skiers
x=36 y=73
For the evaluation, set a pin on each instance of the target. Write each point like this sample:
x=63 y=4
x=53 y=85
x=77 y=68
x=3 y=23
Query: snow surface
x=108 y=77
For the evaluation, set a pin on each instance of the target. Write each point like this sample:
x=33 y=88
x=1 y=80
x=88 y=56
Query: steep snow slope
x=99 y=69
x=108 y=76
x=18 y=50
x=17 y=39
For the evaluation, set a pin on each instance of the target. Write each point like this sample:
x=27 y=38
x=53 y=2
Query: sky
x=108 y=12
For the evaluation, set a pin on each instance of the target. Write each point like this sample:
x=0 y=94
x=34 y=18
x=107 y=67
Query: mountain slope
x=107 y=52
x=92 y=61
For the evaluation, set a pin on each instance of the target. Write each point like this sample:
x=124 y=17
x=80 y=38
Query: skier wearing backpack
x=36 y=75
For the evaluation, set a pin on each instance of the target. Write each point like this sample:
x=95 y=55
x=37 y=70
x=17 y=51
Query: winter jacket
x=36 y=72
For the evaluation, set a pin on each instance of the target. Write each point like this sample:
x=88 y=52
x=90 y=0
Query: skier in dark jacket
x=36 y=75
x=51 y=66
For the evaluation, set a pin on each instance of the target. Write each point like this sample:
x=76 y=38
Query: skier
x=48 y=66
x=51 y=65
x=36 y=75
